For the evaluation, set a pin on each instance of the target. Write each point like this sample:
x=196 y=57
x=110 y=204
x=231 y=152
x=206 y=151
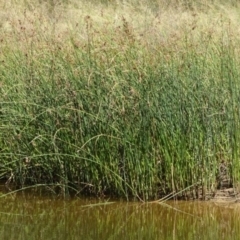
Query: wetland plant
x=140 y=105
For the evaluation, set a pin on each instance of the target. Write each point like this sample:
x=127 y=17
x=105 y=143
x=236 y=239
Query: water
x=27 y=215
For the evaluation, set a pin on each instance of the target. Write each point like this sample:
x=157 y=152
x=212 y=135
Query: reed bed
x=120 y=98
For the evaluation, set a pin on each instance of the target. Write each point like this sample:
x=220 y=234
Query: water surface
x=27 y=215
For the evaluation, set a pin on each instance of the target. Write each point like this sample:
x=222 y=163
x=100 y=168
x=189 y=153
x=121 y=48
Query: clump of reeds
x=118 y=105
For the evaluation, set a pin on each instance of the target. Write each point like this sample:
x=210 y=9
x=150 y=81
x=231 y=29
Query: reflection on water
x=29 y=216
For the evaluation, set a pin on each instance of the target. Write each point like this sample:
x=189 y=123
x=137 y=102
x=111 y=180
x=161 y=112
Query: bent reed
x=124 y=98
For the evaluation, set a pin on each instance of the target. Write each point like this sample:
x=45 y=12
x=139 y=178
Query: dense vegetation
x=120 y=98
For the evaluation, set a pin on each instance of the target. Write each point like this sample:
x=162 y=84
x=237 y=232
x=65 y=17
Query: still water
x=27 y=215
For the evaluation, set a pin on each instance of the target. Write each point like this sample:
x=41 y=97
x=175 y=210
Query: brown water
x=27 y=215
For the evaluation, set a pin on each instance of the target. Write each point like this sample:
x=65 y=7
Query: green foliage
x=113 y=114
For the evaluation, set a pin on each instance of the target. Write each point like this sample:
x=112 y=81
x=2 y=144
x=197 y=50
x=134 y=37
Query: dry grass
x=28 y=21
